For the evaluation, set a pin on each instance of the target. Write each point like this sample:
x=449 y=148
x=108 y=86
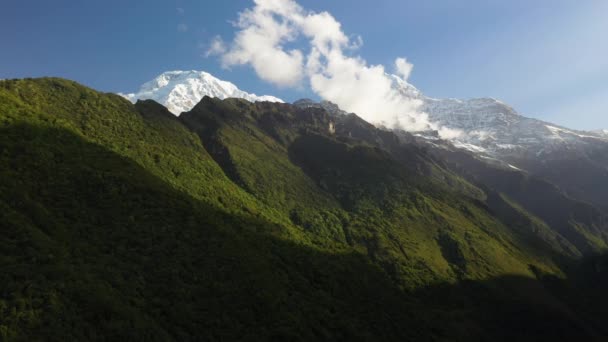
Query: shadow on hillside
x=96 y=248
x=580 y=223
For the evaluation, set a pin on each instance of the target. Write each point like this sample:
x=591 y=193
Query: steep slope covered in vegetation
x=419 y=230
x=243 y=221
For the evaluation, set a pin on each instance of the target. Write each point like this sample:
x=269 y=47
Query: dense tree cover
x=242 y=221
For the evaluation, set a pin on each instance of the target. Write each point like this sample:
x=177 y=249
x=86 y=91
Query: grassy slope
x=117 y=224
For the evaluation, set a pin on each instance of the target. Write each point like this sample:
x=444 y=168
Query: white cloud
x=216 y=47
x=357 y=43
x=448 y=133
x=180 y=11
x=266 y=29
x=365 y=90
x=260 y=40
x=403 y=68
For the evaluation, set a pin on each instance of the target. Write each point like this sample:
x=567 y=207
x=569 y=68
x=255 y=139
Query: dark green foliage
x=581 y=227
x=243 y=221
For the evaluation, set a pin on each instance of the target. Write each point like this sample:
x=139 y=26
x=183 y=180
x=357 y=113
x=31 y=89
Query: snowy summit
x=180 y=91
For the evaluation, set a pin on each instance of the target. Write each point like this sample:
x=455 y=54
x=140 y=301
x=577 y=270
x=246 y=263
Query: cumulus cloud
x=403 y=68
x=260 y=41
x=264 y=34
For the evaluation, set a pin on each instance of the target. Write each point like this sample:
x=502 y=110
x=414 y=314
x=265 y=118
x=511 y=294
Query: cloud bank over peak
x=263 y=38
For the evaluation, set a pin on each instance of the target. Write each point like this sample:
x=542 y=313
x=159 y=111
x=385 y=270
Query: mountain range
x=488 y=126
x=493 y=131
x=245 y=220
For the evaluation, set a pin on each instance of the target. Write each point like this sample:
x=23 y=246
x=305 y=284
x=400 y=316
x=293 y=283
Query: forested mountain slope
x=268 y=221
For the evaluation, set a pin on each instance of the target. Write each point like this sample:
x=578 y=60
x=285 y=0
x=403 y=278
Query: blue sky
x=547 y=58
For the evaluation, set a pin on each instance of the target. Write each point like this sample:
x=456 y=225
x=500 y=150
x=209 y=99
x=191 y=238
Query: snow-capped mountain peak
x=180 y=91
x=493 y=129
